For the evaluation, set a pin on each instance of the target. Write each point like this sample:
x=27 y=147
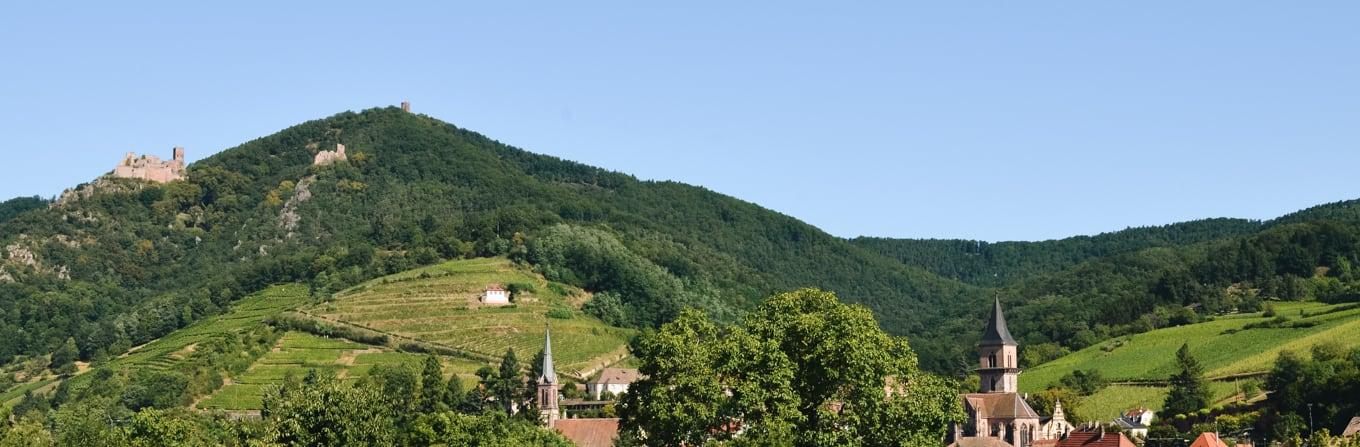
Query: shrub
x=517 y=288
x=560 y=313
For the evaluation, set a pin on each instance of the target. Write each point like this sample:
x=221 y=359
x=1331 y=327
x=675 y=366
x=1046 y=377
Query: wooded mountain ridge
x=131 y=261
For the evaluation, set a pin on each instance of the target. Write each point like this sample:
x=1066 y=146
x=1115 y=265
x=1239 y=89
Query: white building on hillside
x=496 y=295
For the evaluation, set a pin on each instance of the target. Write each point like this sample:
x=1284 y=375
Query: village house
x=614 y=381
x=151 y=167
x=495 y=295
x=1136 y=421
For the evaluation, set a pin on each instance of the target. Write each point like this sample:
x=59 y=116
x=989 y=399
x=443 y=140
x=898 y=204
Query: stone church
x=998 y=414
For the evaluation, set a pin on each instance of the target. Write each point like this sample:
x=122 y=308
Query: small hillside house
x=496 y=295
x=1136 y=421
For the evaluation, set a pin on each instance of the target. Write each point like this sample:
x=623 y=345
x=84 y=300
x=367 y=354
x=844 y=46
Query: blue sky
x=991 y=120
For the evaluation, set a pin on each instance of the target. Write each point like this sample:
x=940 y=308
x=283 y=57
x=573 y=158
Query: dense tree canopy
x=802 y=369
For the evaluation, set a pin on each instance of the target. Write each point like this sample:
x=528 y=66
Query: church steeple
x=547 y=384
x=997 y=333
x=997 y=363
x=548 y=375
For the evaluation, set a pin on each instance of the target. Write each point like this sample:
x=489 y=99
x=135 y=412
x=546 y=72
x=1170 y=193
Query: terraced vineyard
x=297 y=353
x=164 y=352
x=1224 y=346
x=439 y=304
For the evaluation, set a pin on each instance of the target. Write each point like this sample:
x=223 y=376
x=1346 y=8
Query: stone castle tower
x=998 y=367
x=548 y=385
x=151 y=167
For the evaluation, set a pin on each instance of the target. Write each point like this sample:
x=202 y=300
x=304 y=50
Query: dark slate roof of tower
x=996 y=332
x=548 y=375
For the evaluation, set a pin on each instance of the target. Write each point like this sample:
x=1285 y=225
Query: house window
x=991 y=361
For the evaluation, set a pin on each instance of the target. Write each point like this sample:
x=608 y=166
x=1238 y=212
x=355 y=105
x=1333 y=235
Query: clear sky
x=991 y=120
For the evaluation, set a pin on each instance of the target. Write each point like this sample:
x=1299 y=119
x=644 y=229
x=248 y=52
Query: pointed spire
x=996 y=332
x=548 y=376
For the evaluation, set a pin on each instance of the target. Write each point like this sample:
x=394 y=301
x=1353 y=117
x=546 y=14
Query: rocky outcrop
x=324 y=158
x=289 y=217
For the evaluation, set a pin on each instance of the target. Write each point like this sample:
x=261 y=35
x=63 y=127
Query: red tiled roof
x=1095 y=439
x=496 y=287
x=589 y=432
x=1208 y=440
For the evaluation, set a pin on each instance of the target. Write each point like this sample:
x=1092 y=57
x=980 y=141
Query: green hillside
x=297 y=353
x=1229 y=350
x=439 y=304
x=415 y=190
x=121 y=263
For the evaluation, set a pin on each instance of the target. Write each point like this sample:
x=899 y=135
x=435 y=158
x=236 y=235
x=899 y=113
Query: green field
x=297 y=353
x=439 y=304
x=1151 y=356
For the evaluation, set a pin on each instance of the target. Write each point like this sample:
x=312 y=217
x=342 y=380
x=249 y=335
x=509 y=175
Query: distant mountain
x=1000 y=263
x=117 y=262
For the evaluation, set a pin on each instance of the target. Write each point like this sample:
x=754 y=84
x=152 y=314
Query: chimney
x=406 y=106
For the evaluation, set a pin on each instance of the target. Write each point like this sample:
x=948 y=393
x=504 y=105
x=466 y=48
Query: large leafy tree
x=803 y=369
x=1189 y=391
x=321 y=410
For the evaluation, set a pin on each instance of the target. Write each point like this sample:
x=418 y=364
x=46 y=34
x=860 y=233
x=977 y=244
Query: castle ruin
x=329 y=157
x=151 y=167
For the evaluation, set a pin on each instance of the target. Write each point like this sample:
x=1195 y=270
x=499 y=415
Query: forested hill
x=995 y=264
x=116 y=263
x=1073 y=293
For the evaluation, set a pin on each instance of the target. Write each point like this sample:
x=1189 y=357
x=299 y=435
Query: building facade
x=998 y=412
x=496 y=295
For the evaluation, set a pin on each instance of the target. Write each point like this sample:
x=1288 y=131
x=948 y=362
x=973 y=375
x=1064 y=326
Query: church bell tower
x=998 y=363
x=547 y=384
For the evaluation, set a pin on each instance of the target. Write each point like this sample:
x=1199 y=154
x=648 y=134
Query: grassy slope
x=165 y=352
x=439 y=304
x=1150 y=356
x=297 y=353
